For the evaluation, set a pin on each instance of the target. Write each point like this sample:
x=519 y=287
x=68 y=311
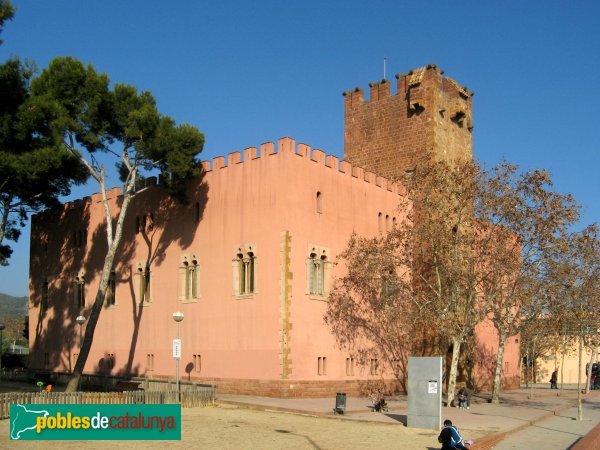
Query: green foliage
x=93 y=117
x=6 y=13
x=35 y=168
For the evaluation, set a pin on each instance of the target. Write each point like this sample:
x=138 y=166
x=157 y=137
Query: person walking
x=553 y=379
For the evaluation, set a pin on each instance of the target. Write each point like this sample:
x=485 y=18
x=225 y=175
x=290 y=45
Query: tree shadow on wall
x=57 y=335
x=108 y=366
x=167 y=227
x=484 y=367
x=378 y=337
x=58 y=258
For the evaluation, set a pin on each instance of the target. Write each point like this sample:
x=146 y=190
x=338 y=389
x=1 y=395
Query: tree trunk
x=532 y=371
x=520 y=367
x=4 y=219
x=562 y=371
x=92 y=321
x=580 y=361
x=498 y=373
x=456 y=342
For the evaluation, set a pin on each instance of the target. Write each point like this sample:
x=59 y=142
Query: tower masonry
x=430 y=117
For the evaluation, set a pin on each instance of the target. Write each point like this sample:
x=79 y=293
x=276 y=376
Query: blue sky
x=247 y=72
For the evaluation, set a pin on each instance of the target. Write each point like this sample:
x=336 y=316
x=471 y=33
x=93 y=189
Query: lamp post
x=177 y=317
x=80 y=320
x=2 y=327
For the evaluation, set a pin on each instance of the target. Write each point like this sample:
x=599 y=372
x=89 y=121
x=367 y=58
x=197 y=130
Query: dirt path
x=229 y=427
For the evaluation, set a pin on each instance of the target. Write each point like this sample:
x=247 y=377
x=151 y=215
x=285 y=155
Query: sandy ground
x=230 y=427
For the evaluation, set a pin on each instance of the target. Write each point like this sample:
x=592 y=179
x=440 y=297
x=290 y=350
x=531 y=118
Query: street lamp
x=177 y=317
x=2 y=327
x=80 y=320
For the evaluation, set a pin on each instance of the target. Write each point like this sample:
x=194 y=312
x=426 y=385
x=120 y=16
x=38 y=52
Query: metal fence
x=191 y=397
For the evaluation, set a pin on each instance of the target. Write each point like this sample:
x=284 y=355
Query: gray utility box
x=425 y=392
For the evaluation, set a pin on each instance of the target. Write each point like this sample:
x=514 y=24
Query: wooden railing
x=191 y=397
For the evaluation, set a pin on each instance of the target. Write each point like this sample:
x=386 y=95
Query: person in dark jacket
x=450 y=438
x=553 y=380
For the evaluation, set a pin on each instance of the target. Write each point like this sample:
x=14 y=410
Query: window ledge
x=189 y=300
x=321 y=298
x=243 y=296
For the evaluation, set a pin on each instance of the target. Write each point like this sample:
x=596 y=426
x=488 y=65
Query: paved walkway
x=545 y=420
x=556 y=432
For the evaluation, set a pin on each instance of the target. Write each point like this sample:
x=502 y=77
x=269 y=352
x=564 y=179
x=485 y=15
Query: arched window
x=79 y=286
x=317 y=266
x=245 y=271
x=111 y=288
x=143 y=277
x=380 y=222
x=191 y=279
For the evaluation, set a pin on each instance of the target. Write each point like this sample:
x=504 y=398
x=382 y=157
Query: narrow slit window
x=319 y=202
x=44 y=302
x=111 y=289
x=322 y=365
x=349 y=367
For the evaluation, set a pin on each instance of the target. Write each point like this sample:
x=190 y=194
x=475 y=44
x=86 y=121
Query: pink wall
x=251 y=200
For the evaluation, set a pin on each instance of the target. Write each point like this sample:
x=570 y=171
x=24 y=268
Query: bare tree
x=575 y=289
x=520 y=217
x=370 y=308
x=430 y=256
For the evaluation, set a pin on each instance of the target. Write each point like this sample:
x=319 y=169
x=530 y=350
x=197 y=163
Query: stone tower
x=430 y=116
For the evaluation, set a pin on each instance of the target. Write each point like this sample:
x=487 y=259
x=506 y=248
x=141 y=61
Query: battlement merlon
x=429 y=116
x=379 y=90
x=287 y=146
x=426 y=75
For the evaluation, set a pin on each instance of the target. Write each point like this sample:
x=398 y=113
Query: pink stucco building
x=249 y=260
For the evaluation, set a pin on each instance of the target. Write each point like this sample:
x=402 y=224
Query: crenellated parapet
x=97 y=197
x=284 y=147
x=287 y=147
x=428 y=116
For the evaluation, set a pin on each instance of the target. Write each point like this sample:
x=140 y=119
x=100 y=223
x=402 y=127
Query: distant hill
x=13 y=306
